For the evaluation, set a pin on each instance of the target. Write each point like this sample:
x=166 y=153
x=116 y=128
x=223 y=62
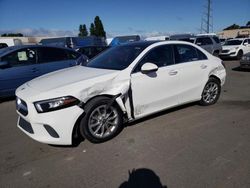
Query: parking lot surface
x=189 y=146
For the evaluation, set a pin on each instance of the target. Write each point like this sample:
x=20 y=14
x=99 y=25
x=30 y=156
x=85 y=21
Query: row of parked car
x=21 y=63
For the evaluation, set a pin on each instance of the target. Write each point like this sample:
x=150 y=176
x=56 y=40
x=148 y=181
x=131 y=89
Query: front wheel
x=216 y=53
x=239 y=55
x=211 y=92
x=102 y=120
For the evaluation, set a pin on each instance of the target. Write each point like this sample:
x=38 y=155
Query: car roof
x=10 y=49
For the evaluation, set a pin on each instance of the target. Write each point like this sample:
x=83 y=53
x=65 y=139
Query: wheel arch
x=215 y=77
x=75 y=132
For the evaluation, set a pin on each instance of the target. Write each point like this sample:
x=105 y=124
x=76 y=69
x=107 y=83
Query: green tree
x=12 y=35
x=83 y=32
x=92 y=29
x=99 y=29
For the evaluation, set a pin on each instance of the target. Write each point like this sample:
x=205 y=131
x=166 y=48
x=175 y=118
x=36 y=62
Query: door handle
x=203 y=66
x=173 y=72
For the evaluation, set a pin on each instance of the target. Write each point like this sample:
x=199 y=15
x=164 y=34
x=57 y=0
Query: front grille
x=25 y=125
x=225 y=51
x=21 y=106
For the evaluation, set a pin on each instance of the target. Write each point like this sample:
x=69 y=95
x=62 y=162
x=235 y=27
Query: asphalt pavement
x=189 y=146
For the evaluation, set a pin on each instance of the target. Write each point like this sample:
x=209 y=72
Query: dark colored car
x=74 y=42
x=245 y=61
x=91 y=51
x=3 y=45
x=19 y=64
x=124 y=39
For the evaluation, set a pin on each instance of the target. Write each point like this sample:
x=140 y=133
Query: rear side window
x=216 y=39
x=204 y=41
x=21 y=57
x=161 y=56
x=46 y=55
x=185 y=53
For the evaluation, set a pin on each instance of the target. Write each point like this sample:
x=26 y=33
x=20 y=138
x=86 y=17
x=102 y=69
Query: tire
x=211 y=92
x=239 y=55
x=102 y=121
x=216 y=53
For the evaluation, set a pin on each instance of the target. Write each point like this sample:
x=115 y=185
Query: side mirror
x=149 y=67
x=4 y=64
x=198 y=43
x=245 y=43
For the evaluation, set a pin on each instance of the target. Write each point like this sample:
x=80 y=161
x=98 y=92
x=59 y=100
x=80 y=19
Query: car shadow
x=158 y=114
x=75 y=143
x=7 y=99
x=77 y=139
x=142 y=177
x=239 y=69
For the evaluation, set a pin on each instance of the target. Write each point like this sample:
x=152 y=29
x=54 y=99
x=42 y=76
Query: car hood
x=230 y=47
x=68 y=76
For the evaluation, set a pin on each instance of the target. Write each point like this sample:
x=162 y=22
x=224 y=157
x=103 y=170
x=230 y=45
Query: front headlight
x=55 y=104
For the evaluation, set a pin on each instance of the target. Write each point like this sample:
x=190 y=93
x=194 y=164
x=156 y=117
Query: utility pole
x=206 y=20
x=208 y=14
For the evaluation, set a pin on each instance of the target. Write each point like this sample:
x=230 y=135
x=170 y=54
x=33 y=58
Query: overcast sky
x=120 y=17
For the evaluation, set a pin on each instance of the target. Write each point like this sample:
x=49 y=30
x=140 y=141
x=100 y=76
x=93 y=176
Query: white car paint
x=169 y=86
x=233 y=50
x=11 y=41
x=157 y=38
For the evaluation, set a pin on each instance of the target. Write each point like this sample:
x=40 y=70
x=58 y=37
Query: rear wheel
x=211 y=92
x=102 y=120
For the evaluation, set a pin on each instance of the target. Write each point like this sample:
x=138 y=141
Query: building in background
x=242 y=32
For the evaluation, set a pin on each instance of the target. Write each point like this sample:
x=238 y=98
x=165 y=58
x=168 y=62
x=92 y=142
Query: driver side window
x=161 y=56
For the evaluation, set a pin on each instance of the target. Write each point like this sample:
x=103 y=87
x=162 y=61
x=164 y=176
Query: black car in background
x=74 y=42
x=91 y=51
x=245 y=61
x=3 y=45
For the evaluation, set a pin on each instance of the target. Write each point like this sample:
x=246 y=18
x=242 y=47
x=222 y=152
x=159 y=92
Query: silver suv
x=210 y=43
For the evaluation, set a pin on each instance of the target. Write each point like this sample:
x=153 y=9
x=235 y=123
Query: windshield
x=117 y=58
x=233 y=42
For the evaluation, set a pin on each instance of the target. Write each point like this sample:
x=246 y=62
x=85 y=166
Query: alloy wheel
x=103 y=121
x=210 y=92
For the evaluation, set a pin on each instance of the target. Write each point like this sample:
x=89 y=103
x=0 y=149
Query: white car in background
x=157 y=38
x=10 y=42
x=235 y=48
x=122 y=84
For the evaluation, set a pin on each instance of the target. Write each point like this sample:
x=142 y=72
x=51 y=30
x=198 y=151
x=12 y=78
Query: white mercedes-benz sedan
x=120 y=85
